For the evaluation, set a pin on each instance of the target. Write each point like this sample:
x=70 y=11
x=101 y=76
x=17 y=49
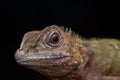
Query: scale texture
x=60 y=54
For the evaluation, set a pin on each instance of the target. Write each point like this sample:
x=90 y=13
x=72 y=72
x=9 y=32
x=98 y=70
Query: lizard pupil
x=54 y=38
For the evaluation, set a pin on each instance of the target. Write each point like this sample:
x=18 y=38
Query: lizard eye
x=54 y=39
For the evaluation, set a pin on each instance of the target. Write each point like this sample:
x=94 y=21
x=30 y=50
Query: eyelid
x=47 y=39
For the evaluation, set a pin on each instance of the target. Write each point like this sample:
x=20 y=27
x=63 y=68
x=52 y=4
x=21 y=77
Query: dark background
x=89 y=18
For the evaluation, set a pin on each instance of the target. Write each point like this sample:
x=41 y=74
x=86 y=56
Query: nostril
x=26 y=50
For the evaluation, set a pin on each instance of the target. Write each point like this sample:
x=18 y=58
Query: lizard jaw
x=43 y=58
x=52 y=66
x=40 y=60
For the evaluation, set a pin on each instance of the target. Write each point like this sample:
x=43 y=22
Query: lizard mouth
x=40 y=60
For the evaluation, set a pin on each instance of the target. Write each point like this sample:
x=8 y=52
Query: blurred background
x=88 y=18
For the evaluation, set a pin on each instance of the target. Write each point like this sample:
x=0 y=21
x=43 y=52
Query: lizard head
x=50 y=52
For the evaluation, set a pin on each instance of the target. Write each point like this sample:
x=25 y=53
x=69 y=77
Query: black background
x=89 y=18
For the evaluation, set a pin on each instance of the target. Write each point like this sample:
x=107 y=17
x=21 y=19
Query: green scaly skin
x=62 y=55
x=107 y=54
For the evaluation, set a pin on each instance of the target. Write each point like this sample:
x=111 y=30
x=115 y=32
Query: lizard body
x=62 y=55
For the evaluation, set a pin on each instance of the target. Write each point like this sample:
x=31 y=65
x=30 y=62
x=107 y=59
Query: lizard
x=61 y=54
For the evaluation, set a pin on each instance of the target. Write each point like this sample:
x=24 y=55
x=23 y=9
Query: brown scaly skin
x=60 y=55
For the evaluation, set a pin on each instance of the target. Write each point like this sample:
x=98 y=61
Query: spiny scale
x=70 y=32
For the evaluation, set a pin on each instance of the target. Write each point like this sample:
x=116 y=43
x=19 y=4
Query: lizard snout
x=19 y=54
